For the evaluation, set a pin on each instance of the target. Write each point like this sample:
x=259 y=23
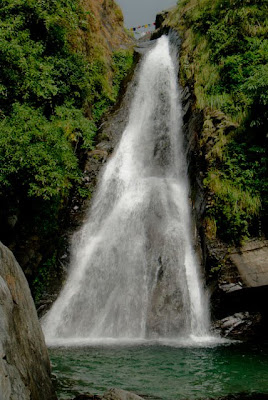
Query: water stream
x=134 y=274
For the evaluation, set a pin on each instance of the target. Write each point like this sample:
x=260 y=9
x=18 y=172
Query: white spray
x=134 y=274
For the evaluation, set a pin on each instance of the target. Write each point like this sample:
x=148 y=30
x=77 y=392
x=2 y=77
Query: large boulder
x=251 y=260
x=240 y=297
x=24 y=361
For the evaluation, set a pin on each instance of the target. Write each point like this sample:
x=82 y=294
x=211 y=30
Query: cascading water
x=134 y=273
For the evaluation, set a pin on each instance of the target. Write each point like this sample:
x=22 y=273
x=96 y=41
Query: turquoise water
x=161 y=371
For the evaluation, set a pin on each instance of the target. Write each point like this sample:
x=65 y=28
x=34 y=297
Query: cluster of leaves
x=43 y=88
x=236 y=188
x=37 y=155
x=47 y=277
x=228 y=58
x=236 y=33
x=122 y=62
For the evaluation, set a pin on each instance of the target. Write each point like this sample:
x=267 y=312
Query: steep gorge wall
x=237 y=276
x=211 y=135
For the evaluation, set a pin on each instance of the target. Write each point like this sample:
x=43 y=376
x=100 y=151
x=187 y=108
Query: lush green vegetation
x=122 y=61
x=224 y=56
x=45 y=87
x=57 y=80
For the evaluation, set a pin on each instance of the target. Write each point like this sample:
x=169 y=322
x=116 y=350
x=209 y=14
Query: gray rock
x=238 y=325
x=119 y=394
x=111 y=394
x=24 y=361
x=161 y=17
x=87 y=397
x=230 y=287
x=251 y=260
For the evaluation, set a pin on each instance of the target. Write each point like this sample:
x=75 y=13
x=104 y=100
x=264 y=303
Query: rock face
x=119 y=394
x=239 y=325
x=24 y=362
x=241 y=294
x=112 y=394
x=238 y=277
x=251 y=260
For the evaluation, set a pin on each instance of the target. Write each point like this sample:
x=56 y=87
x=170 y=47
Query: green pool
x=161 y=371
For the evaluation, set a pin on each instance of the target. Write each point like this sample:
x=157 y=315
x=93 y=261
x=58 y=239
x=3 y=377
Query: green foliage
x=57 y=79
x=46 y=218
x=121 y=64
x=44 y=279
x=44 y=86
x=84 y=192
x=235 y=34
x=38 y=154
x=226 y=54
x=240 y=189
x=256 y=88
x=233 y=208
x=37 y=65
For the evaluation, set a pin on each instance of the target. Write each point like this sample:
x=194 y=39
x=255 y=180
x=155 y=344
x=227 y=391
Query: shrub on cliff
x=224 y=55
x=38 y=154
x=45 y=87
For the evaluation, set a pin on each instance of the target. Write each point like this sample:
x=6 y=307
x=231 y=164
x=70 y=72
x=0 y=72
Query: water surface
x=162 y=371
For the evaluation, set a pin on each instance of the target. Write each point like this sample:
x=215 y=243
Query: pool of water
x=161 y=371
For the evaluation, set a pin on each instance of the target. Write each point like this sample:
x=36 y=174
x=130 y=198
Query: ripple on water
x=160 y=370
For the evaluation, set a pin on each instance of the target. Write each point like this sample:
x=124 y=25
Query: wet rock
x=119 y=394
x=100 y=155
x=239 y=325
x=241 y=286
x=24 y=362
x=105 y=146
x=161 y=17
x=87 y=397
x=111 y=394
x=143 y=45
x=238 y=277
x=230 y=287
x=243 y=396
x=45 y=304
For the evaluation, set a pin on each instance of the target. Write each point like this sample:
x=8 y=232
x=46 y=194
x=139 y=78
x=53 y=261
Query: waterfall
x=133 y=272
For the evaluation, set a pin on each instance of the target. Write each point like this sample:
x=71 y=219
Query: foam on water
x=193 y=342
